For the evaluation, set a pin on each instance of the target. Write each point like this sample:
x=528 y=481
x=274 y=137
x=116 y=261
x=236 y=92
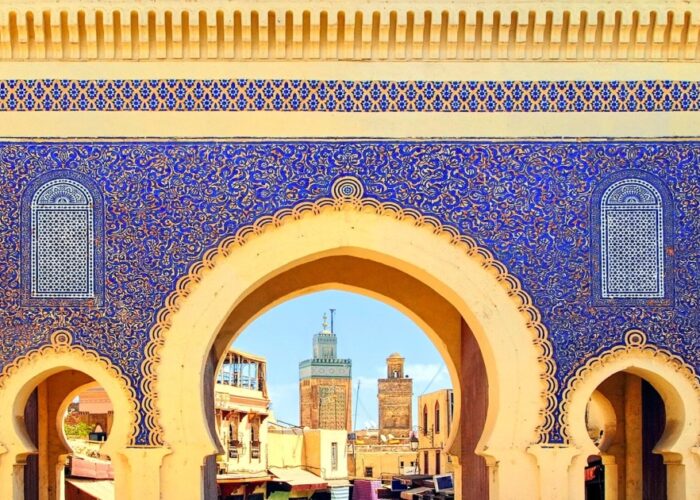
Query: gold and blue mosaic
x=350 y=96
x=160 y=206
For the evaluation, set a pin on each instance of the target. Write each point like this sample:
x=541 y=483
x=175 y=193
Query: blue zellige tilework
x=349 y=96
x=530 y=203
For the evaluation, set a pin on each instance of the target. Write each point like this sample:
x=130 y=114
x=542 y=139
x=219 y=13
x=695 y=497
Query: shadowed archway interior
x=396 y=288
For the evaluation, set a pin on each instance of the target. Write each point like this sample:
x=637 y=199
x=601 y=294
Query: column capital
x=553 y=461
x=142 y=466
x=553 y=452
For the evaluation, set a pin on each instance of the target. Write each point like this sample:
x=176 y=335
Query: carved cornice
x=327 y=30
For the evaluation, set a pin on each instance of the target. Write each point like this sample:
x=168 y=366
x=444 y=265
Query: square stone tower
x=395 y=394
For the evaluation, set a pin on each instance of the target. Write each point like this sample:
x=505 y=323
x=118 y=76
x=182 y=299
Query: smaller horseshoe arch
x=677 y=385
x=18 y=381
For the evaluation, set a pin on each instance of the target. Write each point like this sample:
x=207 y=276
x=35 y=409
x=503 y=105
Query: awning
x=243 y=477
x=298 y=478
x=101 y=489
x=279 y=495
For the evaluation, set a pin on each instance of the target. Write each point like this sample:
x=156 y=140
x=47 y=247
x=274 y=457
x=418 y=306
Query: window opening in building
x=425 y=420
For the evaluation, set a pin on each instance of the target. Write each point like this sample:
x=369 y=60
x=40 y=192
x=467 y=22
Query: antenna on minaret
x=332 y=316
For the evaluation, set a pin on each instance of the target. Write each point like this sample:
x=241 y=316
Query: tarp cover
x=298 y=478
x=243 y=477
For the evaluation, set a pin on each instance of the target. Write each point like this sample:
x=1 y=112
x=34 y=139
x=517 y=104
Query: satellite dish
x=383 y=438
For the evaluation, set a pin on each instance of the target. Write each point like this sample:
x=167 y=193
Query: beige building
x=381 y=461
x=260 y=451
x=317 y=457
x=395 y=397
x=435 y=415
x=242 y=408
x=93 y=408
x=320 y=451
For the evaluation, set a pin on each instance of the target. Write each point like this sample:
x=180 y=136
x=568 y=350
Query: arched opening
x=638 y=420
x=328 y=396
x=88 y=417
x=68 y=418
x=601 y=423
x=35 y=398
x=626 y=466
x=454 y=296
x=437 y=417
x=436 y=318
x=425 y=420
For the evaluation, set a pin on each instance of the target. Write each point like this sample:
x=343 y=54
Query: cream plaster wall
x=433 y=436
x=383 y=463
x=317 y=453
x=285 y=448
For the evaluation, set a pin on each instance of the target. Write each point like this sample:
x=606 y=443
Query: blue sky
x=368 y=331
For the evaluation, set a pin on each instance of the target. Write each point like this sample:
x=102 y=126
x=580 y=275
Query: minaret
x=325 y=384
x=325 y=342
x=395 y=395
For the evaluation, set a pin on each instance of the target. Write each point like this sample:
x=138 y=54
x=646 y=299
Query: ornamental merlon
x=326 y=30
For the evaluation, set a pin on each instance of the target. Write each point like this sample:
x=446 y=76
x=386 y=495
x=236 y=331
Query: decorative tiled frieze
x=350 y=96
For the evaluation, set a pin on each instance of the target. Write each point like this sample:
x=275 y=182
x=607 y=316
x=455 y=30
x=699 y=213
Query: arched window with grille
x=62 y=251
x=633 y=239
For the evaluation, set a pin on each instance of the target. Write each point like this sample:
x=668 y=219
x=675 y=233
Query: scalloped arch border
x=635 y=342
x=512 y=285
x=61 y=341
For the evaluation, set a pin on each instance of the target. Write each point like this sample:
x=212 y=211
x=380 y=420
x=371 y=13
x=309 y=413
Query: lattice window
x=632 y=241
x=62 y=241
